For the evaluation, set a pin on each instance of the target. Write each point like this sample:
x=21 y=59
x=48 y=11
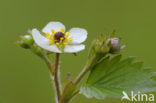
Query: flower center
x=59 y=38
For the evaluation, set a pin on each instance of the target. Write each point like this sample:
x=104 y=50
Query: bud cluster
x=27 y=42
x=101 y=47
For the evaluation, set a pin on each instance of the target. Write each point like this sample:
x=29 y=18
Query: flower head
x=59 y=41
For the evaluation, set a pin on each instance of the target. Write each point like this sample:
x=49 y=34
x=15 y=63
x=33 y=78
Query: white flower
x=59 y=41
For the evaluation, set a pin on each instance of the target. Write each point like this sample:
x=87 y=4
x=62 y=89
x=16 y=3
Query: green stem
x=80 y=76
x=54 y=71
x=50 y=65
x=86 y=68
x=56 y=78
x=76 y=92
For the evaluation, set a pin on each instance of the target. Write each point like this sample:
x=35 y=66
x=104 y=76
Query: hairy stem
x=76 y=92
x=54 y=73
x=80 y=76
x=86 y=69
x=56 y=78
x=49 y=64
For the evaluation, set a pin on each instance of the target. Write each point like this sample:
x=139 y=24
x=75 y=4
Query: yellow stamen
x=61 y=38
x=51 y=36
x=53 y=31
x=62 y=30
x=65 y=43
x=51 y=40
x=67 y=34
x=47 y=35
x=57 y=44
x=70 y=39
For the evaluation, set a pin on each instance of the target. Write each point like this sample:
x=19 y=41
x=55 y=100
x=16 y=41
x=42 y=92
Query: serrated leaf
x=112 y=76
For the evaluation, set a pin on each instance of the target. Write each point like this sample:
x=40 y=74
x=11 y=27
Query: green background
x=24 y=77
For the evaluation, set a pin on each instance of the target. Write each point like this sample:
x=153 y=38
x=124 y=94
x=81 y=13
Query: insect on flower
x=59 y=41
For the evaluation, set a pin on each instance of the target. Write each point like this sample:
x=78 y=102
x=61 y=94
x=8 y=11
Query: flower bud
x=98 y=50
x=26 y=41
x=101 y=47
x=114 y=45
x=22 y=44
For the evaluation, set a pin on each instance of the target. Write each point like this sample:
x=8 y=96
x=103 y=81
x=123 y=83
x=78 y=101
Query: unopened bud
x=98 y=50
x=26 y=41
x=114 y=44
x=100 y=45
x=22 y=44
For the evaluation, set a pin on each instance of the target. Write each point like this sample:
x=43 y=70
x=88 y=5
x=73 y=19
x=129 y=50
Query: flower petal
x=53 y=26
x=39 y=38
x=74 y=48
x=52 y=48
x=79 y=35
x=43 y=42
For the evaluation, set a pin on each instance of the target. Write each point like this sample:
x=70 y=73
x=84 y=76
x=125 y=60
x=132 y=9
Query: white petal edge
x=43 y=42
x=74 y=48
x=53 y=26
x=79 y=35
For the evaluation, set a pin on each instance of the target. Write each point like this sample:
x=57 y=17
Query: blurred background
x=24 y=77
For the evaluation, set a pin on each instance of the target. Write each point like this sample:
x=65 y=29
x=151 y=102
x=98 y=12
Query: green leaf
x=112 y=76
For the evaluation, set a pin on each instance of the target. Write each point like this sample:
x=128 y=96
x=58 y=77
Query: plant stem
x=79 y=77
x=76 y=92
x=54 y=71
x=50 y=65
x=85 y=70
x=55 y=77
